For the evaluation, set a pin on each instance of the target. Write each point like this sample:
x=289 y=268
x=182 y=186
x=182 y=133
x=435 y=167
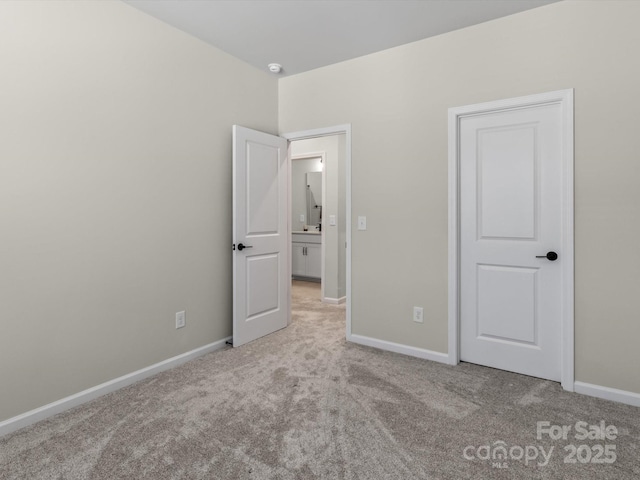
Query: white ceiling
x=306 y=34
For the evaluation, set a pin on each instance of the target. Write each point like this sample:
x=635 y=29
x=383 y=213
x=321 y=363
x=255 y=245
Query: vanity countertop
x=309 y=232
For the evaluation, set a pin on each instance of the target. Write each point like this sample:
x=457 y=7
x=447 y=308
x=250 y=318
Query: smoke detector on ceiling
x=275 y=67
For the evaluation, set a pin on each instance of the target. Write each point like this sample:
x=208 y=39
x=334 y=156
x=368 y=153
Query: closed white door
x=510 y=218
x=261 y=284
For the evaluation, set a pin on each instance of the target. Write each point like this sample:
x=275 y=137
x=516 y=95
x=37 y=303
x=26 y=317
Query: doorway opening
x=308 y=201
x=320 y=212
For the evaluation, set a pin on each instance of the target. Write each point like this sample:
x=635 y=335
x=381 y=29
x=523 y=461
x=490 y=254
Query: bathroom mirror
x=314 y=199
x=304 y=199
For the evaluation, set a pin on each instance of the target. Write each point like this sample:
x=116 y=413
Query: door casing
x=325 y=132
x=565 y=99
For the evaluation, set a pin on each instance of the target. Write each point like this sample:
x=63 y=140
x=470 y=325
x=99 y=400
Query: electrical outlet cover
x=418 y=314
x=181 y=319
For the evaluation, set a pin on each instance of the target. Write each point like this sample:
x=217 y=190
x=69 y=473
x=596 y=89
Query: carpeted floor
x=302 y=403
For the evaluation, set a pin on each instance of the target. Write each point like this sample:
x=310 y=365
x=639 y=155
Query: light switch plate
x=302 y=217
x=332 y=220
x=362 y=223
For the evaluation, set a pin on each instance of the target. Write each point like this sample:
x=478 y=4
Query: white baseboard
x=399 y=348
x=613 y=394
x=46 y=411
x=334 y=301
x=606 y=393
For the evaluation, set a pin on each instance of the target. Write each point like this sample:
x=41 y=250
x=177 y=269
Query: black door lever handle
x=242 y=247
x=551 y=256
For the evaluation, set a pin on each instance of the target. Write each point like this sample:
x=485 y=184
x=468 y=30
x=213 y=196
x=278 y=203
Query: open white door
x=261 y=279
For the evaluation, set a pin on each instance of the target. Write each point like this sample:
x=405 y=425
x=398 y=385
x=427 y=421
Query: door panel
x=507 y=183
x=510 y=212
x=314 y=261
x=261 y=287
x=299 y=260
x=262 y=196
x=497 y=283
x=262 y=292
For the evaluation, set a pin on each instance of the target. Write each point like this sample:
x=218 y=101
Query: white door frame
x=325 y=132
x=565 y=99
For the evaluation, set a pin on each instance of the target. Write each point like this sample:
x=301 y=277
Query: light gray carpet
x=302 y=403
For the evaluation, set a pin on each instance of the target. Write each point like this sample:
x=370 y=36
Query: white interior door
x=261 y=283
x=510 y=218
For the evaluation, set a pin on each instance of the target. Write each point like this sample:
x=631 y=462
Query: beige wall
x=115 y=193
x=397 y=103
